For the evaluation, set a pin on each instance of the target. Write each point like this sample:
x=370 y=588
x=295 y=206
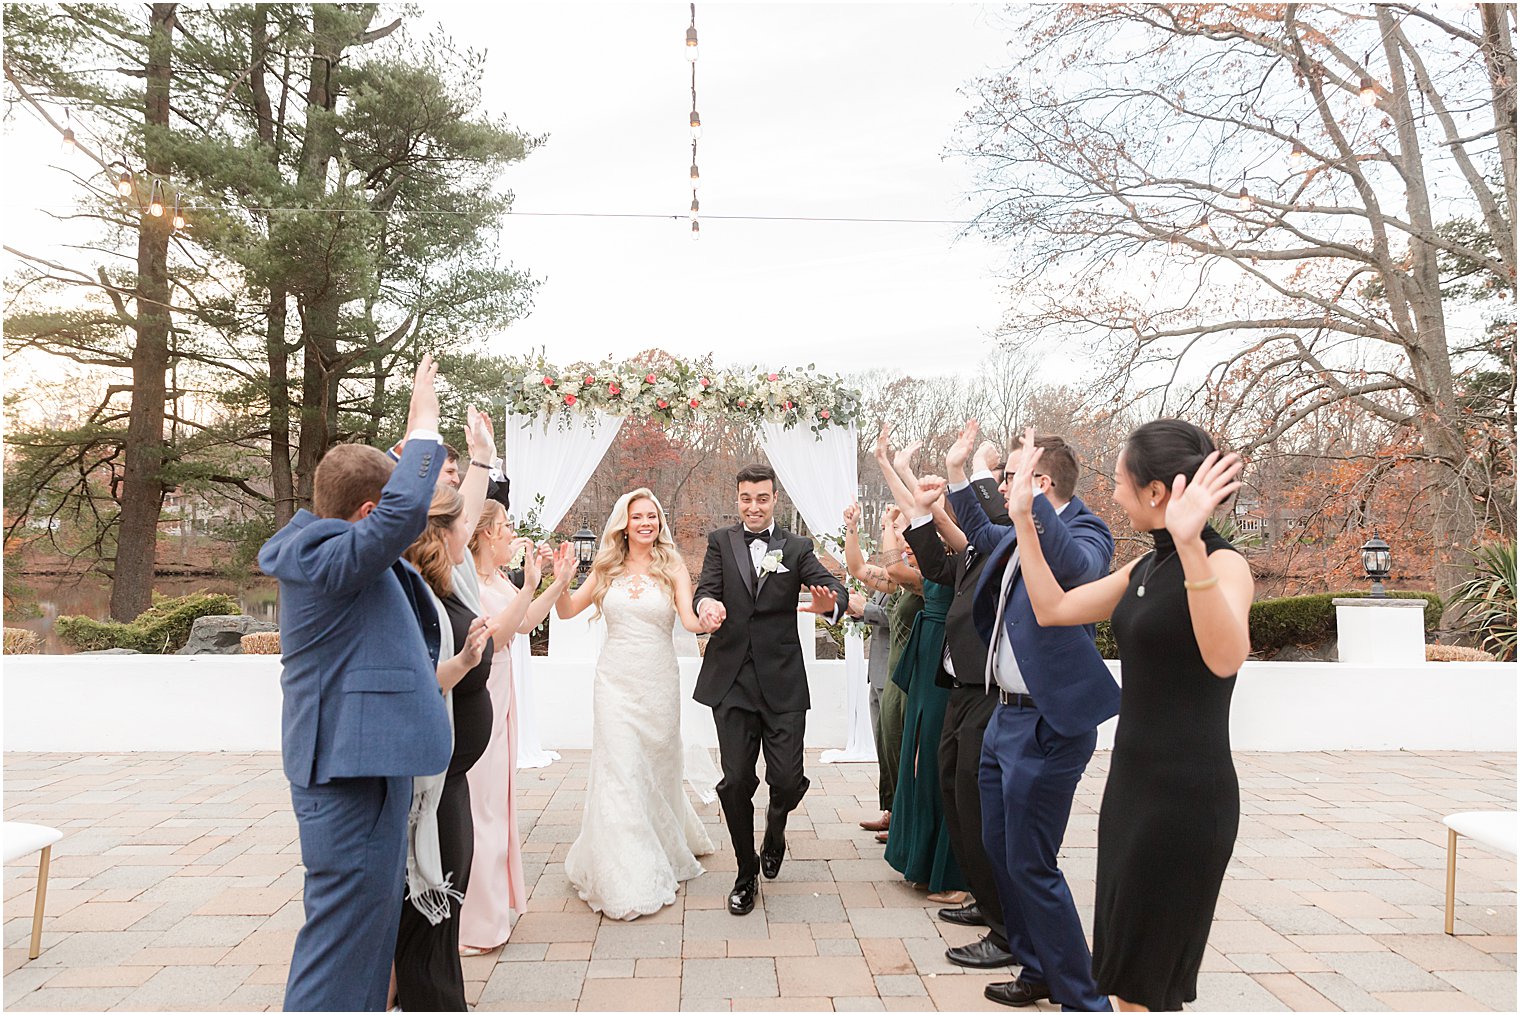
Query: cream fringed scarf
x=428 y=886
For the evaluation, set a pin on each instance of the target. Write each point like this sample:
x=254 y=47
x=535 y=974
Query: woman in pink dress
x=497 y=889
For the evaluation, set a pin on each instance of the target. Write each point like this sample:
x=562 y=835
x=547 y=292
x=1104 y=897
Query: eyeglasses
x=1009 y=475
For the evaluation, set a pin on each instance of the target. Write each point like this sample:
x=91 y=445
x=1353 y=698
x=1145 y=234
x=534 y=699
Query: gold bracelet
x=1199 y=586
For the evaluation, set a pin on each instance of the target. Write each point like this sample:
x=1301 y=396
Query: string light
x=156 y=199
x=1368 y=92
x=69 y=141
x=124 y=184
x=1245 y=198
x=694 y=121
x=179 y=216
x=1297 y=157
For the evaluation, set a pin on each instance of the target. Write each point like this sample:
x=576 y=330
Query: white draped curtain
x=545 y=460
x=819 y=474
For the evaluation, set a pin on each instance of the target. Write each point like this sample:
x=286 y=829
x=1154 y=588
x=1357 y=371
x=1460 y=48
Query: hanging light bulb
x=179 y=216
x=69 y=141
x=696 y=229
x=1297 y=157
x=691 y=43
x=124 y=183
x=1368 y=92
x=696 y=125
x=696 y=177
x=694 y=207
x=1245 y=198
x=156 y=200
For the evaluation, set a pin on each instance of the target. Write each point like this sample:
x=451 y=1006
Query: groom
x=753 y=676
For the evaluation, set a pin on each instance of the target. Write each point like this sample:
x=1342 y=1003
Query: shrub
x=261 y=643
x=21 y=642
x=1456 y=654
x=1487 y=599
x=163 y=628
x=1294 y=620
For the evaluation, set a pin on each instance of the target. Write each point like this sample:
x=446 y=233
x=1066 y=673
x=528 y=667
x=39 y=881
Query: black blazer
x=762 y=617
x=968 y=651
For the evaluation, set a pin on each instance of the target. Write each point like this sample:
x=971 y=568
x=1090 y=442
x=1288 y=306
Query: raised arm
x=546 y=600
x=1219 y=585
x=480 y=445
x=892 y=544
x=934 y=563
x=870 y=575
x=980 y=531
x=570 y=603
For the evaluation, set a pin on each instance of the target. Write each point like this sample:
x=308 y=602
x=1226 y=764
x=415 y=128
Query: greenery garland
x=676 y=391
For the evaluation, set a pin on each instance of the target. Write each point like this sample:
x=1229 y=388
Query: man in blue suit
x=1053 y=691
x=362 y=709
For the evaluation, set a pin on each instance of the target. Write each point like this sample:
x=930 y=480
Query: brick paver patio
x=177 y=886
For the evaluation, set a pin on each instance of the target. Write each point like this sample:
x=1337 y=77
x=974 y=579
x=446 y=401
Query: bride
x=639 y=834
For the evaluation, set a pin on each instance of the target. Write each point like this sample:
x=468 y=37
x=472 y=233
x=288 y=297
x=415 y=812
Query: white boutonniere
x=771 y=563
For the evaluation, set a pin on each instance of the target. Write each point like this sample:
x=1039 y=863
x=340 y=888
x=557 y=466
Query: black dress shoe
x=742 y=899
x=770 y=859
x=969 y=915
x=981 y=954
x=1017 y=993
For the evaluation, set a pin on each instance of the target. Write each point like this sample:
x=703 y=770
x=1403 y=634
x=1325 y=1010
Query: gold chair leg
x=1451 y=878
x=42 y=875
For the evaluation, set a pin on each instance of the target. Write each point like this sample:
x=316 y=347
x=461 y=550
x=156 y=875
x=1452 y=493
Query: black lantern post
x=585 y=551
x=1377 y=561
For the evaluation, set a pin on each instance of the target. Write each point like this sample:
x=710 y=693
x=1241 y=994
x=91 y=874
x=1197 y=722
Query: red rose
x=613 y=389
x=695 y=403
x=824 y=414
x=569 y=399
x=705 y=382
x=788 y=405
x=649 y=379
x=743 y=404
x=590 y=379
x=663 y=404
x=548 y=382
x=770 y=377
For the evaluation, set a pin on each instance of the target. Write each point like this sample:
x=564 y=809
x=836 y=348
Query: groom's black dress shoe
x=969 y=915
x=742 y=899
x=771 y=857
x=1018 y=993
x=981 y=954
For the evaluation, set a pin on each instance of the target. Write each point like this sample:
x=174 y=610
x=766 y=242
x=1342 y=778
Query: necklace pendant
x=1140 y=592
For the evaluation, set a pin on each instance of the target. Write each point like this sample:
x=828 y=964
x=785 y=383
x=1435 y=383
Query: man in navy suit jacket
x=362 y=709
x=1053 y=691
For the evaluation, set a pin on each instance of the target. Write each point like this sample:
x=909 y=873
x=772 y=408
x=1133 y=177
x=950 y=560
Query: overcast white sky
x=807 y=110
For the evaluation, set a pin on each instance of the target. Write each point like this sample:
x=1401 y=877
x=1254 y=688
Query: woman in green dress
x=918 y=845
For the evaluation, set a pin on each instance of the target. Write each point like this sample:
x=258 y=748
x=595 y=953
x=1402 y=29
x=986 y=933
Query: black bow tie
x=750 y=537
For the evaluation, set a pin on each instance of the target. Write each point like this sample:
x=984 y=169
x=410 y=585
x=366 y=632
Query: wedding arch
x=561 y=421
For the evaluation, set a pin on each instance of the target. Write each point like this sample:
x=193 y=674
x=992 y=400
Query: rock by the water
x=111 y=652
x=222 y=635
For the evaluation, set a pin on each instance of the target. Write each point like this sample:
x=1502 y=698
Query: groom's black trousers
x=960 y=757
x=745 y=728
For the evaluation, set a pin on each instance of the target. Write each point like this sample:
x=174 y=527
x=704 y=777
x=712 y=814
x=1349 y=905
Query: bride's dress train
x=640 y=836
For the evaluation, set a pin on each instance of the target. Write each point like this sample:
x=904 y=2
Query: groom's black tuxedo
x=754 y=680
x=762 y=617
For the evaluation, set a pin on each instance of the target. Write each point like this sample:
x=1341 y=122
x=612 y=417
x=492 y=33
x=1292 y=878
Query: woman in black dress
x=429 y=976
x=1171 y=806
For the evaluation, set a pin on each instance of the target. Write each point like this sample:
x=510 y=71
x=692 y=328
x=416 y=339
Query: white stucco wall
x=202 y=703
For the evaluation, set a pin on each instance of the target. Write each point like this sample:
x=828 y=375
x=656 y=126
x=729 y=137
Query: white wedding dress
x=640 y=836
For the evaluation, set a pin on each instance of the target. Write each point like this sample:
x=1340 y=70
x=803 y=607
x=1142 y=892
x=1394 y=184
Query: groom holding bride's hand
x=753 y=676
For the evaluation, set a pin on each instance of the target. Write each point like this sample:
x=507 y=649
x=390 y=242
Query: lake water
x=91 y=597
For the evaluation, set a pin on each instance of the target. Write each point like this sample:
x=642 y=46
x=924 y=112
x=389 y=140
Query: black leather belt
x=1015 y=700
x=979 y=685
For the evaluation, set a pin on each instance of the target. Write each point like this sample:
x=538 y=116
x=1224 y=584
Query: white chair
x=21 y=839
x=1495 y=829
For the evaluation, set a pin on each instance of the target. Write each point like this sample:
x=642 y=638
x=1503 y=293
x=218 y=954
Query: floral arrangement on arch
x=673 y=391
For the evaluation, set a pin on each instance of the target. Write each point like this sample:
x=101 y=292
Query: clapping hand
x=883 y=449
x=474 y=643
x=986 y=456
x=824 y=601
x=1191 y=504
x=479 y=436
x=1021 y=484
x=852 y=518
x=857 y=607
x=535 y=559
x=564 y=563
x=927 y=492
x=960 y=451
x=422 y=412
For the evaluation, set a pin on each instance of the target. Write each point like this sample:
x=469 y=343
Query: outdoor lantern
x=585 y=549
x=691 y=44
x=1377 y=561
x=696 y=125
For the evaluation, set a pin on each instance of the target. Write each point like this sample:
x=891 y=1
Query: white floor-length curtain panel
x=819 y=474
x=545 y=460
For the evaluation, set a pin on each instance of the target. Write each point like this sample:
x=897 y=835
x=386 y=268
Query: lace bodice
x=640 y=615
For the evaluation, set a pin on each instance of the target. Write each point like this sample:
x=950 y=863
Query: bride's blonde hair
x=612 y=552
